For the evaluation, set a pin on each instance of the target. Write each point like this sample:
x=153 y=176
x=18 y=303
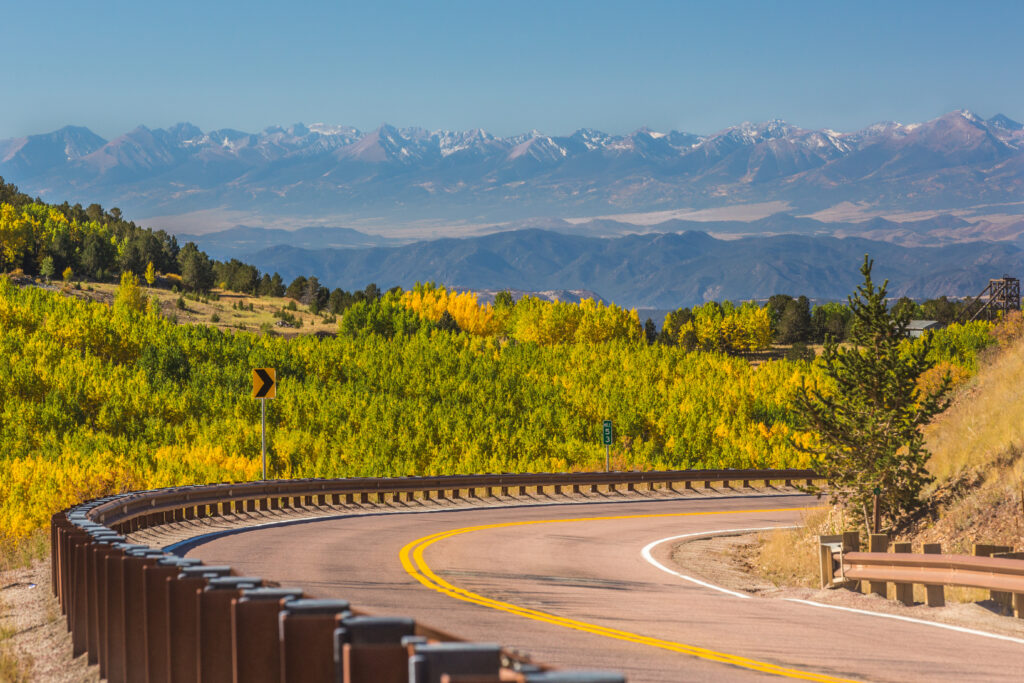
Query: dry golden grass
x=227 y=309
x=984 y=425
x=12 y=669
x=789 y=557
x=15 y=554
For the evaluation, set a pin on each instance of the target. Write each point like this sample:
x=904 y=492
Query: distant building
x=917 y=327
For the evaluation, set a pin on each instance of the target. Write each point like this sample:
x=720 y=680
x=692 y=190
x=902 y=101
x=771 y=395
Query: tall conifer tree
x=869 y=415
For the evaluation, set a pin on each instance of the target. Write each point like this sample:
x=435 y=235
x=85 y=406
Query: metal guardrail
x=995 y=568
x=143 y=614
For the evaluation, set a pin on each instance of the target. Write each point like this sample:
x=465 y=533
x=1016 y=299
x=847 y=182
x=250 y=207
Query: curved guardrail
x=996 y=568
x=143 y=614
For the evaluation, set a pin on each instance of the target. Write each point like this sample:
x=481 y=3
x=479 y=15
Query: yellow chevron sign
x=264 y=383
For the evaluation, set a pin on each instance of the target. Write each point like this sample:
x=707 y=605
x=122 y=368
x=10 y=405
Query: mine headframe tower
x=999 y=298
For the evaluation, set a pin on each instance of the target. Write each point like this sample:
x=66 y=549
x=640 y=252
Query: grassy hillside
x=977 y=444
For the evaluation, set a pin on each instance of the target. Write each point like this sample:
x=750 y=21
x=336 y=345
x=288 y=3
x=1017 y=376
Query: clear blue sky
x=504 y=66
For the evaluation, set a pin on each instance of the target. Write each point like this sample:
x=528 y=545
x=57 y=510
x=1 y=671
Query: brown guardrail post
x=1016 y=599
x=789 y=483
x=79 y=609
x=904 y=591
x=113 y=637
x=851 y=544
x=307 y=639
x=746 y=484
x=878 y=543
x=156 y=610
x=370 y=650
x=133 y=605
x=214 y=613
x=826 y=558
x=809 y=482
x=935 y=594
x=430 y=662
x=558 y=489
x=183 y=620
x=575 y=488
x=95 y=592
x=1002 y=598
x=255 y=638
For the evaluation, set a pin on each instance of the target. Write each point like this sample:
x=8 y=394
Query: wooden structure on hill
x=1000 y=297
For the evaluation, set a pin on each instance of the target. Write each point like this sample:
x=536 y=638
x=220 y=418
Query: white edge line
x=912 y=620
x=646 y=552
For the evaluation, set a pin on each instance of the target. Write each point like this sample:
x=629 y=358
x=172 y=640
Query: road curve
x=569 y=585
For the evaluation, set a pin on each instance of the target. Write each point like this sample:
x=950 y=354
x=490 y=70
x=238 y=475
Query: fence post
x=851 y=544
x=936 y=595
x=878 y=543
x=904 y=591
x=1002 y=598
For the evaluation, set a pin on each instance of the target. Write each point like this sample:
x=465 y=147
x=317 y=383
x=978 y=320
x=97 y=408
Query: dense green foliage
x=97 y=398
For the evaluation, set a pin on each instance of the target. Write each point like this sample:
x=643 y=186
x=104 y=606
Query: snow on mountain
x=957 y=157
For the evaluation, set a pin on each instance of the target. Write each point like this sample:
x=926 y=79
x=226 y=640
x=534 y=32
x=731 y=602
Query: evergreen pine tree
x=869 y=416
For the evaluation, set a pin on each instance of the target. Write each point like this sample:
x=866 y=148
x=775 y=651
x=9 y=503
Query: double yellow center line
x=415 y=564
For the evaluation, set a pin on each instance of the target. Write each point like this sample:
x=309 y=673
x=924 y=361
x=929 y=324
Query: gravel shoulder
x=39 y=637
x=726 y=561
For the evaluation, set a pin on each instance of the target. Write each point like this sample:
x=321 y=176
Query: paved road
x=568 y=584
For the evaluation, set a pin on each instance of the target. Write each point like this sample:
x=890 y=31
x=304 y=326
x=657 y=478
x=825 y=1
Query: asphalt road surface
x=569 y=585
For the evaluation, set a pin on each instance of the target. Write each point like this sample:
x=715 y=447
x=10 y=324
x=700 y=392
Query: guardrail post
x=707 y=483
x=214 y=615
x=96 y=592
x=904 y=591
x=156 y=607
x=558 y=489
x=878 y=543
x=133 y=605
x=746 y=484
x=307 y=639
x=935 y=595
x=789 y=483
x=1002 y=598
x=255 y=638
x=851 y=544
x=183 y=620
x=112 y=642
x=431 y=662
x=370 y=650
x=826 y=558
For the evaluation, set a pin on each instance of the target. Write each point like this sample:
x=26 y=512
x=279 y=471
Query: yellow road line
x=415 y=564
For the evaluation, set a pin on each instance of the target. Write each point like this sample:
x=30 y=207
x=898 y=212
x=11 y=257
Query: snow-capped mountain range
x=956 y=161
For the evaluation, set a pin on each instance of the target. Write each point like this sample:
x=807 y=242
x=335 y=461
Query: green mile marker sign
x=607 y=432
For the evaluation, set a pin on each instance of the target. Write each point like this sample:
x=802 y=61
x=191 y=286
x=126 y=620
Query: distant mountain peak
x=1003 y=121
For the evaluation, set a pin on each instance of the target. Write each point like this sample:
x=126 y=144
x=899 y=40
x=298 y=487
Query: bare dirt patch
x=37 y=646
